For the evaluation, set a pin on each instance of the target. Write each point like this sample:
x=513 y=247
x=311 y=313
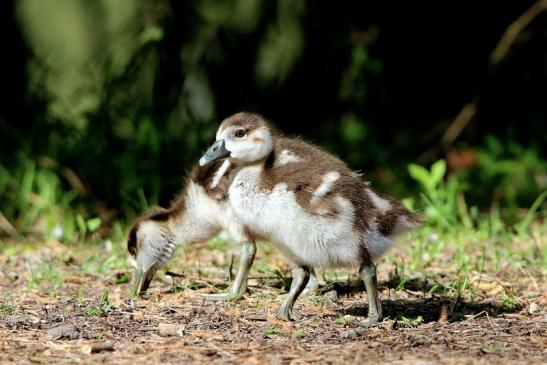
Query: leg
x=313 y=284
x=248 y=251
x=368 y=274
x=300 y=277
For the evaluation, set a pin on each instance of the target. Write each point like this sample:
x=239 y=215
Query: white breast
x=304 y=238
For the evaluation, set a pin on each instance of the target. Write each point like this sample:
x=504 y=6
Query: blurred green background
x=106 y=104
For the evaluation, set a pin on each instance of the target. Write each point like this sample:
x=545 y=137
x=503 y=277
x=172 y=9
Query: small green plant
x=343 y=320
x=6 y=309
x=124 y=278
x=46 y=273
x=81 y=297
x=522 y=226
x=436 y=288
x=271 y=331
x=299 y=334
x=411 y=322
x=87 y=226
x=397 y=278
x=444 y=202
x=509 y=302
x=103 y=309
x=430 y=180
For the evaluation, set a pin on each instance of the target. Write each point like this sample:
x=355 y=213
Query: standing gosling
x=307 y=203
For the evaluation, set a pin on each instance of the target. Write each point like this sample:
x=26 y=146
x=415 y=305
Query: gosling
x=308 y=203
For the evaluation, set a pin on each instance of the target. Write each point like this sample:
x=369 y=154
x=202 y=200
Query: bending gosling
x=196 y=215
x=199 y=213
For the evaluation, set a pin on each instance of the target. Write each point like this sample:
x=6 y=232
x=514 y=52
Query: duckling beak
x=215 y=152
x=142 y=280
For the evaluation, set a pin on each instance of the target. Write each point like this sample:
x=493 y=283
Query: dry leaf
x=171 y=329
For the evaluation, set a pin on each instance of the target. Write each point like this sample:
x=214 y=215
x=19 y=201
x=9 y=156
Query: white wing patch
x=220 y=173
x=287 y=157
x=378 y=202
x=280 y=187
x=325 y=187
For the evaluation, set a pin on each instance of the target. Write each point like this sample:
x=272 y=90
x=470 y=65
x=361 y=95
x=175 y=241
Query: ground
x=434 y=313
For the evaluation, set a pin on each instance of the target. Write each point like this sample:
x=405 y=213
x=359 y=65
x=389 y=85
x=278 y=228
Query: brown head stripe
x=248 y=121
x=132 y=241
x=157 y=215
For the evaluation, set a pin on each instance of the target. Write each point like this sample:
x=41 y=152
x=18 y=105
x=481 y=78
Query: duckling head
x=150 y=245
x=244 y=138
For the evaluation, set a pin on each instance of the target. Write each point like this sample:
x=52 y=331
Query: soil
x=72 y=323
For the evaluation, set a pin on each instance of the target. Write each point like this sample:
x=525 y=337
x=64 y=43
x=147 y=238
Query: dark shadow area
x=430 y=309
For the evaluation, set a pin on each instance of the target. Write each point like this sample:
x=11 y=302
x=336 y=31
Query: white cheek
x=147 y=257
x=153 y=246
x=131 y=262
x=224 y=134
x=231 y=146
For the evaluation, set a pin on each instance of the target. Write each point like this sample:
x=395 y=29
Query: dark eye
x=239 y=133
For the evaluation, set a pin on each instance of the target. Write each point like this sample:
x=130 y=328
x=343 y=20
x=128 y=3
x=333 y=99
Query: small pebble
x=14 y=319
x=533 y=308
x=65 y=331
x=352 y=334
x=331 y=296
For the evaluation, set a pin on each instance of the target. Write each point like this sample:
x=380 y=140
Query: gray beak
x=142 y=281
x=215 y=152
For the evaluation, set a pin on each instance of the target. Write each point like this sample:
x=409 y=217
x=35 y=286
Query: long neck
x=195 y=217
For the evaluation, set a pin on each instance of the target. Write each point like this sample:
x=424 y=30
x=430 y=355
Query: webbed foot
x=284 y=315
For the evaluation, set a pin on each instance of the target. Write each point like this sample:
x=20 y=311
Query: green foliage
x=444 y=202
x=6 y=309
x=444 y=198
x=103 y=309
x=6 y=306
x=523 y=226
x=271 y=331
x=344 y=320
x=430 y=180
x=45 y=274
x=122 y=96
x=508 y=173
x=123 y=279
x=411 y=322
x=35 y=198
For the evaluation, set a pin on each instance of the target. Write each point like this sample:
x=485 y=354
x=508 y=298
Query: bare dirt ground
x=62 y=317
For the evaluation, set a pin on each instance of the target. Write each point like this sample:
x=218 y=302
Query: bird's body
x=305 y=201
x=310 y=204
x=318 y=214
